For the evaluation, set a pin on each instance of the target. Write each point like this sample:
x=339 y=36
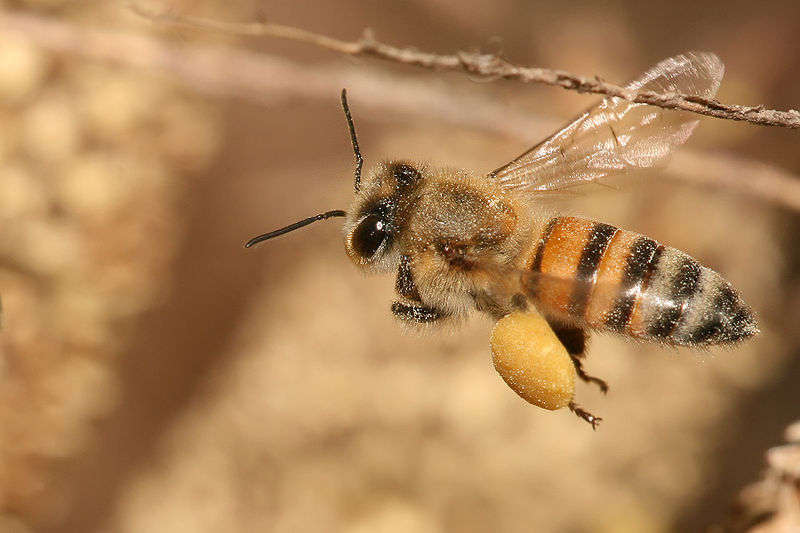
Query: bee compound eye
x=369 y=235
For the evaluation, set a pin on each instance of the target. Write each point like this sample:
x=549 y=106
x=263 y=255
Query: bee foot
x=585 y=415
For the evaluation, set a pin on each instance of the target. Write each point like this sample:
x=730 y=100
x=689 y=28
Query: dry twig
x=268 y=80
x=489 y=66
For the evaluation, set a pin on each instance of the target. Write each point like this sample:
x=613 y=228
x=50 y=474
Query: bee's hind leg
x=585 y=415
x=574 y=340
x=602 y=385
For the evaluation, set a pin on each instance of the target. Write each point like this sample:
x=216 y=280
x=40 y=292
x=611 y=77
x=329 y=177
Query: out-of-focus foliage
x=154 y=376
x=93 y=161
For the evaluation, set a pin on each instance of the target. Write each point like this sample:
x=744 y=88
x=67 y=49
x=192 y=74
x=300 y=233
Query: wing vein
x=616 y=135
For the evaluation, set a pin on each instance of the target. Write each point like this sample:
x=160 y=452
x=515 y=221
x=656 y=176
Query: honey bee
x=461 y=242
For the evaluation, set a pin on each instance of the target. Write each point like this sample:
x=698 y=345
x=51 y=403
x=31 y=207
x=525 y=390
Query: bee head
x=373 y=221
x=375 y=218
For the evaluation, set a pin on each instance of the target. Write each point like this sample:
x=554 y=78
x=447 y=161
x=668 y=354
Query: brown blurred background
x=155 y=376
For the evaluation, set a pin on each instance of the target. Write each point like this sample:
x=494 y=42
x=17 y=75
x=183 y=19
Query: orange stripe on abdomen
x=592 y=272
x=557 y=258
x=607 y=278
x=610 y=275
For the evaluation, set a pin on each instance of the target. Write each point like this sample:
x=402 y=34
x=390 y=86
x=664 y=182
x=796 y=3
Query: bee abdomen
x=609 y=278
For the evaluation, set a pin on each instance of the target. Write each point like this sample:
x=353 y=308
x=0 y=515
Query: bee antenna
x=296 y=225
x=352 y=126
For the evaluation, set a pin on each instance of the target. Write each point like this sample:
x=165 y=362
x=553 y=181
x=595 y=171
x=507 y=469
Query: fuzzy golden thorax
x=447 y=232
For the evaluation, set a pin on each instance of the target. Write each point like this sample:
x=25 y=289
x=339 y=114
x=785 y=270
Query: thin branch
x=266 y=80
x=488 y=66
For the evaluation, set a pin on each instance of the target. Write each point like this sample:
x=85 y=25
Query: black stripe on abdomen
x=586 y=272
x=725 y=318
x=536 y=265
x=683 y=286
x=642 y=261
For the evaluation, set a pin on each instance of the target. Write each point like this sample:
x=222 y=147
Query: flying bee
x=460 y=242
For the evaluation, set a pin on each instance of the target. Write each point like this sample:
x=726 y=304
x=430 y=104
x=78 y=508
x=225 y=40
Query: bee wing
x=617 y=135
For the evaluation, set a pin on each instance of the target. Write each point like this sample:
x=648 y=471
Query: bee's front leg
x=416 y=313
x=405 y=286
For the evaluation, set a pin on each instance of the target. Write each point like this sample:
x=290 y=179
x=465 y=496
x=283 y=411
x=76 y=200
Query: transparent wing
x=617 y=135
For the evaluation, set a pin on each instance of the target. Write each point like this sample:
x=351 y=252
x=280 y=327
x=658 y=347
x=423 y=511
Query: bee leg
x=585 y=415
x=486 y=304
x=416 y=313
x=404 y=284
x=586 y=377
x=574 y=340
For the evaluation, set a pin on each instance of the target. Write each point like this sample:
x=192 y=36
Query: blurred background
x=155 y=376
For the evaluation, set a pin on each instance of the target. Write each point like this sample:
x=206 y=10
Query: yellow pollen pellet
x=532 y=361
